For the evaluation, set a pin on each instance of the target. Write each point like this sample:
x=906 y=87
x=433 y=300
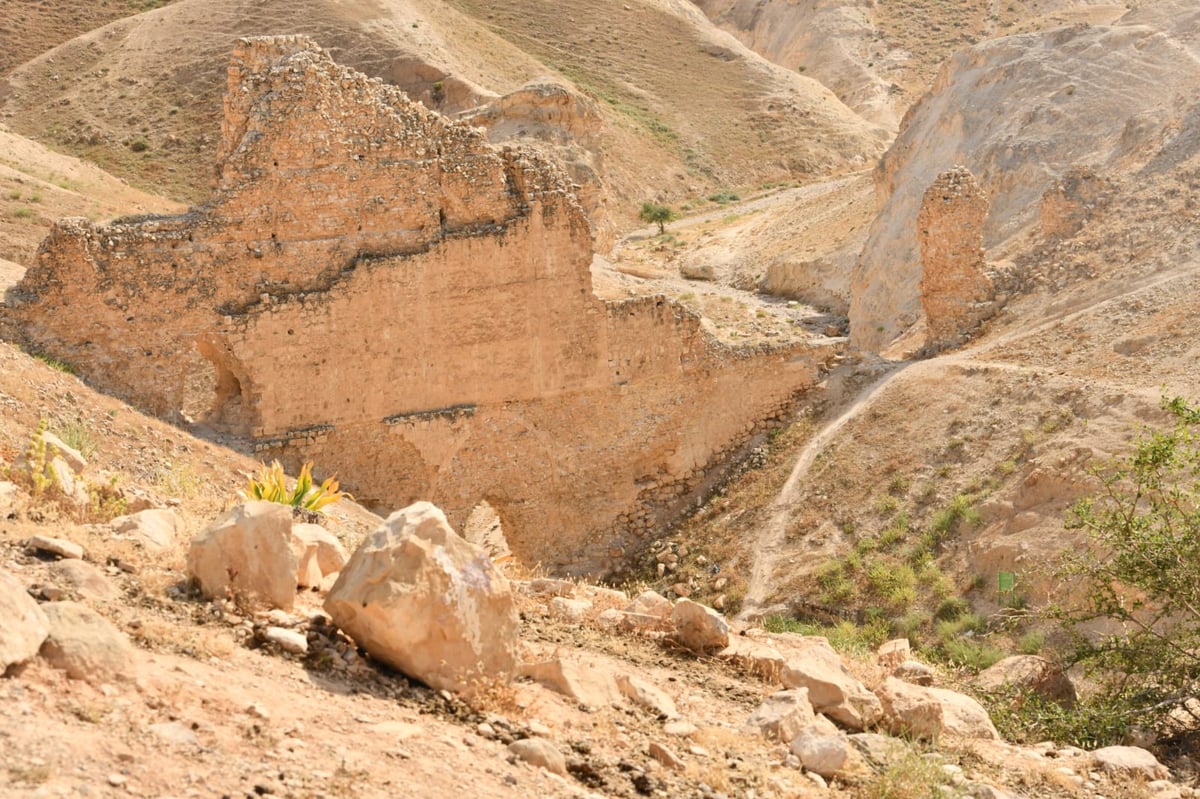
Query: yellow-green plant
x=270 y=484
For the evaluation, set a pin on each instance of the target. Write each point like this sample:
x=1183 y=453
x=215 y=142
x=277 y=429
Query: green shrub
x=1140 y=573
x=1028 y=718
x=656 y=215
x=971 y=653
x=271 y=485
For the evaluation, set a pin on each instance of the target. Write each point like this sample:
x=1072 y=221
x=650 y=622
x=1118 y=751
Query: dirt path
x=772 y=536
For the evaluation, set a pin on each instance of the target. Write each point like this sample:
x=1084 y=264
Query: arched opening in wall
x=484 y=528
x=223 y=406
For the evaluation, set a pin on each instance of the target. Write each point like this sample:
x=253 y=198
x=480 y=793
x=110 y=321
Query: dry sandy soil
x=1063 y=379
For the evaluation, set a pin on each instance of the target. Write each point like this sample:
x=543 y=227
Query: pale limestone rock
x=84 y=578
x=248 y=553
x=932 y=712
x=1028 y=673
x=422 y=599
x=23 y=627
x=832 y=689
x=665 y=756
x=821 y=752
x=757 y=657
x=308 y=570
x=71 y=486
x=1129 y=761
x=86 y=645
x=915 y=672
x=72 y=457
x=584 y=683
x=892 y=653
x=604 y=597
x=55 y=546
x=13 y=501
x=156 y=529
x=287 y=640
x=879 y=751
x=636 y=622
x=541 y=753
x=680 y=728
x=699 y=628
x=647 y=696
x=174 y=732
x=574 y=611
x=610 y=618
x=548 y=586
x=782 y=715
x=650 y=603
x=331 y=557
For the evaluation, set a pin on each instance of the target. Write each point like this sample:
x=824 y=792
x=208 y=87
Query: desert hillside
x=686 y=108
x=766 y=491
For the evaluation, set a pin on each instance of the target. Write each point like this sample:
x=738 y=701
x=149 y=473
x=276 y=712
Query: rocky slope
x=1001 y=109
x=685 y=106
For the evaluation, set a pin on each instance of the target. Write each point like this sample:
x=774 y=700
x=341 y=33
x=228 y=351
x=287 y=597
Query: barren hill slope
x=686 y=106
x=1020 y=113
x=880 y=57
x=39 y=186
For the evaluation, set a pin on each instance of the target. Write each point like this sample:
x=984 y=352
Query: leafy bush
x=271 y=485
x=724 y=197
x=1140 y=573
x=1026 y=717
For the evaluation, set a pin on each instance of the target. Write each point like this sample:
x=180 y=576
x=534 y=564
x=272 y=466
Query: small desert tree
x=1140 y=575
x=656 y=214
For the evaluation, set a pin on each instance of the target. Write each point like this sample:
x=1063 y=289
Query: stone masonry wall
x=378 y=289
x=955 y=287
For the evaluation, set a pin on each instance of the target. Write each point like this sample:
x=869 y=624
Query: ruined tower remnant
x=955 y=288
x=379 y=289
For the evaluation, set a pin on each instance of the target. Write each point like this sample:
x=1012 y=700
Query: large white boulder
x=248 y=554
x=1028 y=674
x=813 y=664
x=699 y=628
x=932 y=712
x=422 y=599
x=23 y=625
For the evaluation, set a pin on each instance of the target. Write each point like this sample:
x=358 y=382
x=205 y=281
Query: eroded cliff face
x=380 y=289
x=1023 y=114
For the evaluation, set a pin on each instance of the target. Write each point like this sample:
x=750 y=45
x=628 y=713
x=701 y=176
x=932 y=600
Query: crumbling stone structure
x=379 y=289
x=955 y=287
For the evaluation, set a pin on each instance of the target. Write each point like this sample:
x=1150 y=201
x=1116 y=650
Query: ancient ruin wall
x=955 y=287
x=378 y=289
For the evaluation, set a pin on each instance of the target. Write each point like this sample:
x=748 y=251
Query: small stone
x=287 y=640
x=680 y=728
x=892 y=653
x=540 y=752
x=55 y=546
x=914 y=672
x=86 y=645
x=117 y=780
x=485 y=730
x=645 y=695
x=173 y=732
x=665 y=756
x=24 y=626
x=84 y=578
x=573 y=611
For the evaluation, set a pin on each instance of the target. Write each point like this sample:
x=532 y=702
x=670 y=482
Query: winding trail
x=772 y=536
